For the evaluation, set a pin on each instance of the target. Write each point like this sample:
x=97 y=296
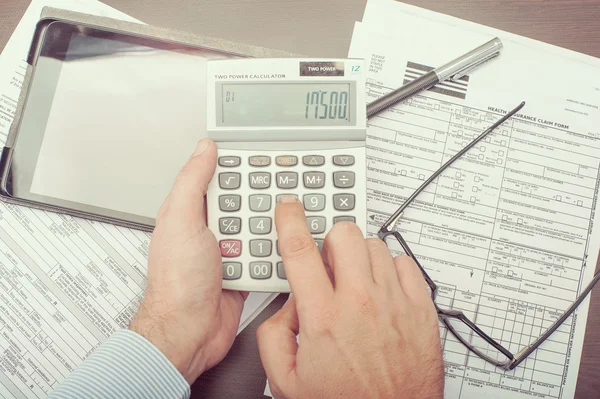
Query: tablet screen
x=121 y=119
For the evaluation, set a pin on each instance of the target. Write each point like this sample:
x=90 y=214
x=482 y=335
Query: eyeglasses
x=467 y=332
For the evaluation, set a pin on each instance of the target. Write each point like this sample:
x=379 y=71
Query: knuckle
x=376 y=246
x=344 y=229
x=297 y=246
x=403 y=261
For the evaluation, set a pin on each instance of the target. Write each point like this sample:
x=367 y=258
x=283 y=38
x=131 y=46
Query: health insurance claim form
x=66 y=284
x=506 y=232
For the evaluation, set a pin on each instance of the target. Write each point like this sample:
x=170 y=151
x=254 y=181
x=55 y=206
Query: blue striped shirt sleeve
x=126 y=365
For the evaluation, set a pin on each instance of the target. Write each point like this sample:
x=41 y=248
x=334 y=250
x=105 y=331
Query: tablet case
x=50 y=15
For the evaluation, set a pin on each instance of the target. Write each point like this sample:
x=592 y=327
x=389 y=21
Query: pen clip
x=469 y=68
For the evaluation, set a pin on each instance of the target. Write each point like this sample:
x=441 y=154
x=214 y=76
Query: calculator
x=282 y=127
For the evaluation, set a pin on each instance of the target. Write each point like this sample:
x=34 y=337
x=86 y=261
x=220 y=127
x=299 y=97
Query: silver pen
x=453 y=70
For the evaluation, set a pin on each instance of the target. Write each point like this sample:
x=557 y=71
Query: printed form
x=66 y=284
x=506 y=231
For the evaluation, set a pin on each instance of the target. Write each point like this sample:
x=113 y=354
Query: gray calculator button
x=314 y=202
x=287 y=179
x=261 y=270
x=343 y=160
x=319 y=244
x=313 y=160
x=316 y=224
x=260 y=203
x=229 y=181
x=280 y=196
x=230 y=203
x=259 y=160
x=260 y=180
x=230 y=225
x=281 y=271
x=260 y=248
x=229 y=162
x=314 y=179
x=343 y=202
x=286 y=160
x=260 y=225
x=277 y=246
x=343 y=179
x=338 y=219
x=232 y=270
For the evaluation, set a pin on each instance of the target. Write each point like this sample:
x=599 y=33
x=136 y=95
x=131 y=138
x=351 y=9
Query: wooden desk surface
x=323 y=28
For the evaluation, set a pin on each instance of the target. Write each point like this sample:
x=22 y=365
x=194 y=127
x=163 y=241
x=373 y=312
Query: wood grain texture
x=323 y=28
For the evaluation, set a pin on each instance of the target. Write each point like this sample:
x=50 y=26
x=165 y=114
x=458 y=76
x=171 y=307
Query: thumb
x=187 y=195
x=278 y=347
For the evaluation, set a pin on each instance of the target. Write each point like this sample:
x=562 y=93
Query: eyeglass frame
x=445 y=315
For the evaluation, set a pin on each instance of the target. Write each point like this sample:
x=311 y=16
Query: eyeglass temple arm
x=396 y=215
x=530 y=348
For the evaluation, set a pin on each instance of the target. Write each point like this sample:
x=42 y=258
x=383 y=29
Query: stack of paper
x=506 y=232
x=66 y=284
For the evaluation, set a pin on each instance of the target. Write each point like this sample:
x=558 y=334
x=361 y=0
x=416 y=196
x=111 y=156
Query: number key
x=316 y=224
x=260 y=248
x=314 y=202
x=232 y=270
x=261 y=270
x=260 y=225
x=260 y=203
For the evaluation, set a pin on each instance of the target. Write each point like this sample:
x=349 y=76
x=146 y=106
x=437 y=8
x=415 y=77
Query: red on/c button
x=230 y=248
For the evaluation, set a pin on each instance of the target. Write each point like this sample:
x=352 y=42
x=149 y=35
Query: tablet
x=109 y=118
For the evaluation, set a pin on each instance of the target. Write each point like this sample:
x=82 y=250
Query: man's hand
x=184 y=312
x=366 y=325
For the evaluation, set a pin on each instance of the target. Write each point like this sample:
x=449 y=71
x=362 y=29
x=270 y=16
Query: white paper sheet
x=66 y=284
x=506 y=231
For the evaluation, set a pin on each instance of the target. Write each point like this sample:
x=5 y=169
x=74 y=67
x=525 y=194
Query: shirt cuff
x=125 y=365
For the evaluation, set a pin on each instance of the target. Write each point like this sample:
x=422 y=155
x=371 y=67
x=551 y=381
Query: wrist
x=176 y=347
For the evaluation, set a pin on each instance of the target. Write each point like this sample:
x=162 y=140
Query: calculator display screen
x=286 y=104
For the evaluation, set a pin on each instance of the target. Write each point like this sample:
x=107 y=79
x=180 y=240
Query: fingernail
x=201 y=146
x=288 y=199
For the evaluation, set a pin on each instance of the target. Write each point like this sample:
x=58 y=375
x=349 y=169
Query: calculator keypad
x=230 y=225
x=314 y=179
x=260 y=203
x=343 y=202
x=232 y=270
x=230 y=203
x=287 y=179
x=313 y=160
x=314 y=202
x=229 y=181
x=261 y=270
x=325 y=184
x=261 y=248
x=230 y=162
x=260 y=225
x=343 y=179
x=260 y=180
